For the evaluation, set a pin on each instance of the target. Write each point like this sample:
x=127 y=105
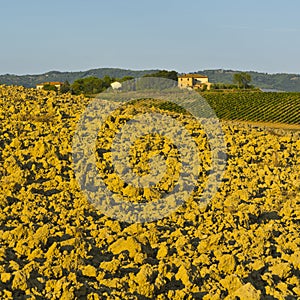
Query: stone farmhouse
x=54 y=83
x=193 y=81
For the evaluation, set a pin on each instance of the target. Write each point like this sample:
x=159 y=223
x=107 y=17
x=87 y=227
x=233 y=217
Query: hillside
x=32 y=80
x=281 y=82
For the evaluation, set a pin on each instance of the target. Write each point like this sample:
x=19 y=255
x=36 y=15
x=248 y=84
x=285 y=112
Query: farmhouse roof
x=51 y=83
x=192 y=76
x=54 y=82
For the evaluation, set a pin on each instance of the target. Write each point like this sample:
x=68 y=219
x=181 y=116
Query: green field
x=256 y=106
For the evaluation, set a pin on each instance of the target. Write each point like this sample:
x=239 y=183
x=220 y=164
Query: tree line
x=94 y=85
x=240 y=80
x=86 y=86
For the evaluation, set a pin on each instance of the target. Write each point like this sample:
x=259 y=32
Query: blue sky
x=39 y=36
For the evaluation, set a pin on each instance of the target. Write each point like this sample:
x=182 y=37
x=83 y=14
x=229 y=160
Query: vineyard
x=256 y=106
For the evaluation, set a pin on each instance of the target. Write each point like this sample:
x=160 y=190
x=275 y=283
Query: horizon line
x=147 y=69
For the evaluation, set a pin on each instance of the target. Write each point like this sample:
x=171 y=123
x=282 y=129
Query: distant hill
x=33 y=80
x=280 y=82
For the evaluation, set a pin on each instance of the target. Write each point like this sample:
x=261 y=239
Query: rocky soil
x=245 y=244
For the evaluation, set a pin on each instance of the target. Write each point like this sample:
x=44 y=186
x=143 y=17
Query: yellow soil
x=55 y=245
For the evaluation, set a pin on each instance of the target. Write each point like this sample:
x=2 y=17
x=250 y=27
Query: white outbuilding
x=116 y=85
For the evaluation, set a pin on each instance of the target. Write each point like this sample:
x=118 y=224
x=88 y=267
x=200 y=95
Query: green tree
x=50 y=87
x=107 y=81
x=91 y=85
x=77 y=87
x=125 y=78
x=65 y=88
x=242 y=79
x=204 y=87
x=164 y=74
